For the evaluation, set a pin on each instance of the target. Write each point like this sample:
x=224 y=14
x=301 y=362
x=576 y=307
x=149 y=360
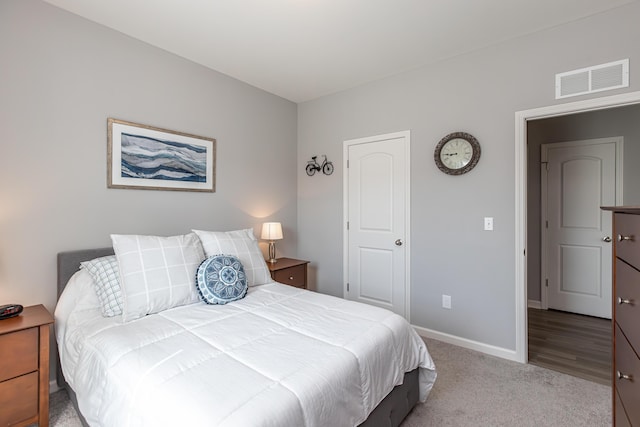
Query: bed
x=281 y=356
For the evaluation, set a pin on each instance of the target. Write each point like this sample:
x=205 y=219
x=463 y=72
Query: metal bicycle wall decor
x=313 y=166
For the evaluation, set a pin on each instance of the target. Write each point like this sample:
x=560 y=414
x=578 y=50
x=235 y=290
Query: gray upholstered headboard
x=69 y=263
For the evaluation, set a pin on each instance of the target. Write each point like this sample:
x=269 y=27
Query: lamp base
x=272 y=252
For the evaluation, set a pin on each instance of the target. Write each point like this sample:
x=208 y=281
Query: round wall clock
x=457 y=153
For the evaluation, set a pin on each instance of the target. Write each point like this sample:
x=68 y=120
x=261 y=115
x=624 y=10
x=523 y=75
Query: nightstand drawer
x=21 y=395
x=293 y=276
x=18 y=353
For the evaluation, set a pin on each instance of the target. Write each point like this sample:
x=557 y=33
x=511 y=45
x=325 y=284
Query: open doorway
x=588 y=353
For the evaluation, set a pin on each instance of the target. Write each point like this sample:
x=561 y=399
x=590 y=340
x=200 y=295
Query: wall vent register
x=597 y=78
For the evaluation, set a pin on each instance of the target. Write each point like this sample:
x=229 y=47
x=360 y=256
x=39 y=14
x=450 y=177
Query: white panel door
x=580 y=179
x=377 y=192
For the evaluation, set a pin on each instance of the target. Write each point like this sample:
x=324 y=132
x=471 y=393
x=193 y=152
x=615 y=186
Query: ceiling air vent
x=612 y=75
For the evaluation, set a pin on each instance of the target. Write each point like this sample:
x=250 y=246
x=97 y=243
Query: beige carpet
x=477 y=390
x=474 y=389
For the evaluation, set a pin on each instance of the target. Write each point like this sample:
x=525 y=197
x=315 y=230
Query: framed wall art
x=146 y=157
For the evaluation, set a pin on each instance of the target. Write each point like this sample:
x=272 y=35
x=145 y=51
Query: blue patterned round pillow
x=221 y=279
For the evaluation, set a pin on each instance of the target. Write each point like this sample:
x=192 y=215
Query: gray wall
x=477 y=93
x=61 y=77
x=623 y=121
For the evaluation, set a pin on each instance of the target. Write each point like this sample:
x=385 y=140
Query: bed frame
x=389 y=413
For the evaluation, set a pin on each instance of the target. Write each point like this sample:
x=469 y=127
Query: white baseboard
x=504 y=353
x=534 y=304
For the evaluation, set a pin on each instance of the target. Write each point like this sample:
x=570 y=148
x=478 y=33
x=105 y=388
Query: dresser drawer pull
x=290 y=277
x=624 y=301
x=622 y=238
x=622 y=376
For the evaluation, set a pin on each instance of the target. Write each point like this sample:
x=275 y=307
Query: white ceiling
x=304 y=49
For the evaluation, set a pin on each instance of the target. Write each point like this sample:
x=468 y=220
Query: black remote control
x=10 y=310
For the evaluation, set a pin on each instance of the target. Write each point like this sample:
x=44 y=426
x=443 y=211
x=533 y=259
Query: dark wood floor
x=571 y=343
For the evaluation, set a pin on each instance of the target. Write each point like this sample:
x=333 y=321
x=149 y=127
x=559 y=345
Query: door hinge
x=546 y=282
x=347 y=287
x=546 y=223
x=347 y=163
x=347 y=225
x=546 y=165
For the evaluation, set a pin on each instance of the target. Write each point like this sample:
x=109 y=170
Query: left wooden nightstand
x=24 y=368
x=289 y=271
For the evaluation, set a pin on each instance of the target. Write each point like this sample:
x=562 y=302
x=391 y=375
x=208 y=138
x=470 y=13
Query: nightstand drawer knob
x=290 y=277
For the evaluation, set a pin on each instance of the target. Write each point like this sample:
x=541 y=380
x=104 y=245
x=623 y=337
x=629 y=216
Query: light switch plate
x=488 y=223
x=446 y=301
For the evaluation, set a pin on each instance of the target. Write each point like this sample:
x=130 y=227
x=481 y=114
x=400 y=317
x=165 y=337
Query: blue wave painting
x=151 y=158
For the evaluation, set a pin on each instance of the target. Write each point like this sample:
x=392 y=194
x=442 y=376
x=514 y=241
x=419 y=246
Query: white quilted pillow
x=106 y=282
x=156 y=273
x=243 y=245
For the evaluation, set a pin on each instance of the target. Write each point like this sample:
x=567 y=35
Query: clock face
x=457 y=153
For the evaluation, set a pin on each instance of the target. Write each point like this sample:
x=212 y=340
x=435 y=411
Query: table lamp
x=272 y=231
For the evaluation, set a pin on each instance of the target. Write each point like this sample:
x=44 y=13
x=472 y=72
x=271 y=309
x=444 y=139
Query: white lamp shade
x=271 y=231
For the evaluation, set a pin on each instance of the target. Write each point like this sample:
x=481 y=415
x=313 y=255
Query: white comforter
x=279 y=357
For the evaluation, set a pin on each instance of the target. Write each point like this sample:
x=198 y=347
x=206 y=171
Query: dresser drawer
x=626 y=302
x=621 y=416
x=19 y=399
x=294 y=276
x=627 y=363
x=18 y=353
x=628 y=229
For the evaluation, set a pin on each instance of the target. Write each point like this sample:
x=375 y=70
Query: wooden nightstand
x=289 y=271
x=24 y=368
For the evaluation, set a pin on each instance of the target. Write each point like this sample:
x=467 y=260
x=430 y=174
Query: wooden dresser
x=626 y=316
x=24 y=368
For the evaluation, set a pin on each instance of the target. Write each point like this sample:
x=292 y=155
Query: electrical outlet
x=446 y=301
x=488 y=223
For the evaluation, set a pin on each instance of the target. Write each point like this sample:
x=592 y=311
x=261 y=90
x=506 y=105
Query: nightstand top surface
x=285 y=263
x=35 y=315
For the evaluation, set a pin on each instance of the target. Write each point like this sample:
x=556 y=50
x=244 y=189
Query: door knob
x=398 y=242
x=606 y=239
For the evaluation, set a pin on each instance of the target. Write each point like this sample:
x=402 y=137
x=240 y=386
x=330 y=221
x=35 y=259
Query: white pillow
x=106 y=282
x=156 y=273
x=241 y=244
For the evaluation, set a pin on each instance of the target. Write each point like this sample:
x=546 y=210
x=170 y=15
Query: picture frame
x=150 y=158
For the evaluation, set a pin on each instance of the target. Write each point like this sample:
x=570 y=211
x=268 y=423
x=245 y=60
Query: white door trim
x=544 y=296
x=521 y=118
x=406 y=135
